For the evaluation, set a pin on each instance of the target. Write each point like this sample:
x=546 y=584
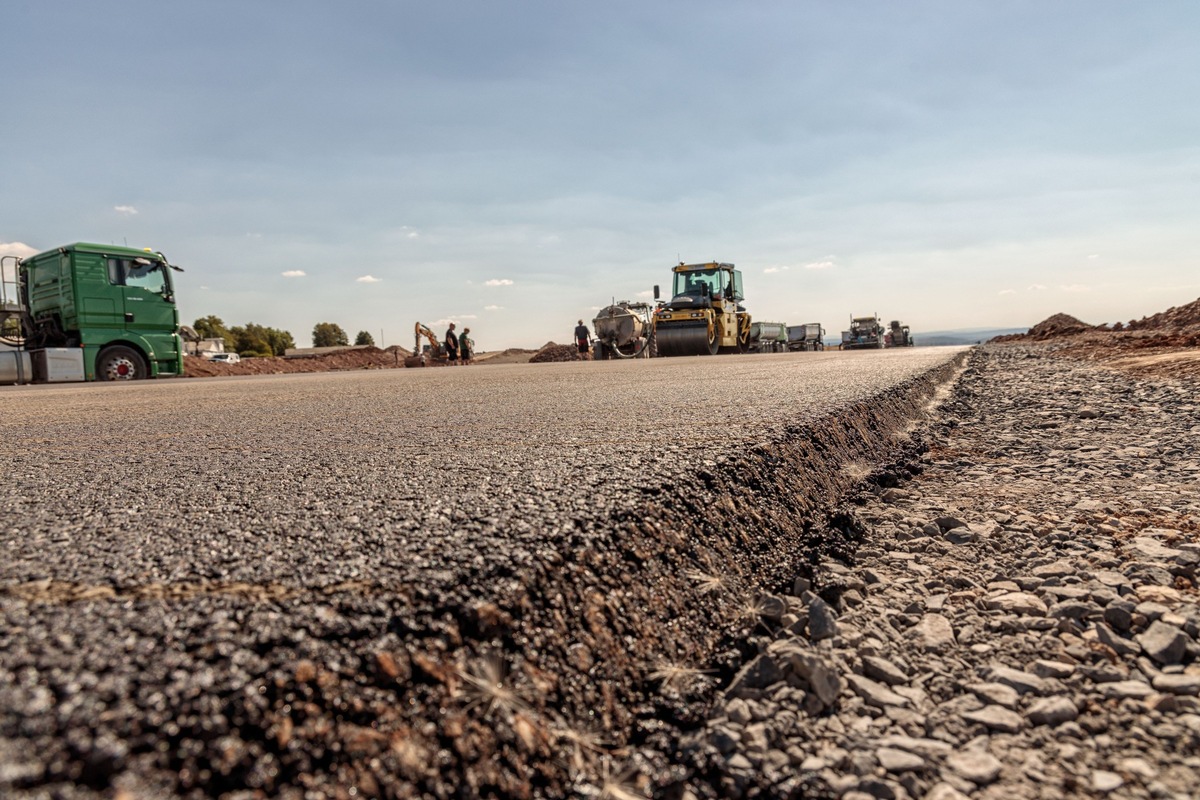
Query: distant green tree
x=364 y=337
x=259 y=340
x=329 y=334
x=212 y=327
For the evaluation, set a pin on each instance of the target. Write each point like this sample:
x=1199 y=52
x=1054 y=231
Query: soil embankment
x=1165 y=344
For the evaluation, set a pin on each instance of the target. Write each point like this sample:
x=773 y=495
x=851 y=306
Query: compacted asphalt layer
x=404 y=474
x=181 y=562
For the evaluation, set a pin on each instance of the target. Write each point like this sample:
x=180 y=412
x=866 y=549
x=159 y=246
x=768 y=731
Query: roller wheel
x=120 y=363
x=687 y=340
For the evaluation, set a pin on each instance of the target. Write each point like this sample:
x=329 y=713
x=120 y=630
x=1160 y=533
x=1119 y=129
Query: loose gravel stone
x=979 y=768
x=1166 y=644
x=1051 y=711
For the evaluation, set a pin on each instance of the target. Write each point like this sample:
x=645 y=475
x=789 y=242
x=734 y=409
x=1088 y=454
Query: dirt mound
x=361 y=358
x=555 y=352
x=1049 y=328
x=1178 y=318
x=1058 y=325
x=513 y=355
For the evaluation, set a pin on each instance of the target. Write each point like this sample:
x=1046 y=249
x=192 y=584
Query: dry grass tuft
x=676 y=676
x=487 y=685
x=620 y=785
x=584 y=745
x=706 y=583
x=856 y=470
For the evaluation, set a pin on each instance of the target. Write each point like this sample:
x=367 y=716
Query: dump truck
x=768 y=337
x=898 y=335
x=809 y=336
x=624 y=330
x=704 y=315
x=87 y=312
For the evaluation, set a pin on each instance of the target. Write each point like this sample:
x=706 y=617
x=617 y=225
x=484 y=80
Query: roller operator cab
x=88 y=312
x=704 y=315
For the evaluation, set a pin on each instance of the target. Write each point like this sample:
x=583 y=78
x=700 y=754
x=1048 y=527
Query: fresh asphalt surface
x=214 y=585
x=380 y=475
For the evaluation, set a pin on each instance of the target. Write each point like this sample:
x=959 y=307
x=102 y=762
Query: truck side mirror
x=656 y=291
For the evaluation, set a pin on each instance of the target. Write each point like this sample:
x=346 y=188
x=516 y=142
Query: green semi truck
x=87 y=312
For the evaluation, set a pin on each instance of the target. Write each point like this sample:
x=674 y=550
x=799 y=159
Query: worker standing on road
x=451 y=345
x=465 y=347
x=583 y=340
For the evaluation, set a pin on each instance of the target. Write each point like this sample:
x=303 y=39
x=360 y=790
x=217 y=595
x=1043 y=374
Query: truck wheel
x=120 y=363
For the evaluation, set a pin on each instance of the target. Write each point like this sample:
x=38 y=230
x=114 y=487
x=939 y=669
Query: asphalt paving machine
x=866 y=333
x=704 y=315
x=898 y=335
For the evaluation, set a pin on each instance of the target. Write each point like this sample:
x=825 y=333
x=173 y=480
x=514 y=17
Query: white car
x=225 y=358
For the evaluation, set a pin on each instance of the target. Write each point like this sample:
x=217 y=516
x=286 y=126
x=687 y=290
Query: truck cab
x=103 y=311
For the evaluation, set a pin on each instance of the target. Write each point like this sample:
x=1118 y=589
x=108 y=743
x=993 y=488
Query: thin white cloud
x=649 y=293
x=368 y=279
x=1094 y=255
x=456 y=319
x=1076 y=287
x=296 y=273
x=498 y=282
x=1007 y=291
x=820 y=265
x=409 y=233
x=493 y=308
x=1035 y=287
x=18 y=249
x=128 y=211
x=773 y=270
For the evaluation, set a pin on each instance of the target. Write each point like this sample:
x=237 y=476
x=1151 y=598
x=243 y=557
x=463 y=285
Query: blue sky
x=515 y=165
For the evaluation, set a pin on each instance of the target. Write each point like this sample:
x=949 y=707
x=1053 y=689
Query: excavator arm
x=435 y=347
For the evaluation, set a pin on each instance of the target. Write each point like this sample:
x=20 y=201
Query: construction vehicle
x=768 y=337
x=87 y=312
x=704 y=315
x=809 y=336
x=898 y=335
x=865 y=333
x=431 y=355
x=624 y=330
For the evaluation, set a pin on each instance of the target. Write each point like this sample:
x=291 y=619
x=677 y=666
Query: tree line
x=253 y=340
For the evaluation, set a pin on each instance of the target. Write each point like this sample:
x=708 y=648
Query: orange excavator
x=430 y=355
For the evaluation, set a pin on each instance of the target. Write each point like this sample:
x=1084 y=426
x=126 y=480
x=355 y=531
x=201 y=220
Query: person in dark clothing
x=451 y=345
x=465 y=347
x=583 y=339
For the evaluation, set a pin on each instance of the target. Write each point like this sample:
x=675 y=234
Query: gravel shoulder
x=1018 y=618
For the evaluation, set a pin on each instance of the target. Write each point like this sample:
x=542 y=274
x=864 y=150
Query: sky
x=516 y=166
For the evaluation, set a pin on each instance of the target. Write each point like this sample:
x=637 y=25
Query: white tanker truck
x=624 y=330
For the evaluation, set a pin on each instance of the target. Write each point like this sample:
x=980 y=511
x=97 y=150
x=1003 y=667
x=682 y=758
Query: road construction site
x=415 y=582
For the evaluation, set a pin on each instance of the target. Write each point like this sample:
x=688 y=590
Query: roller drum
x=685 y=340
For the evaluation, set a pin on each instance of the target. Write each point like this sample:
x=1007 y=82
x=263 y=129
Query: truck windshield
x=700 y=282
x=140 y=272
